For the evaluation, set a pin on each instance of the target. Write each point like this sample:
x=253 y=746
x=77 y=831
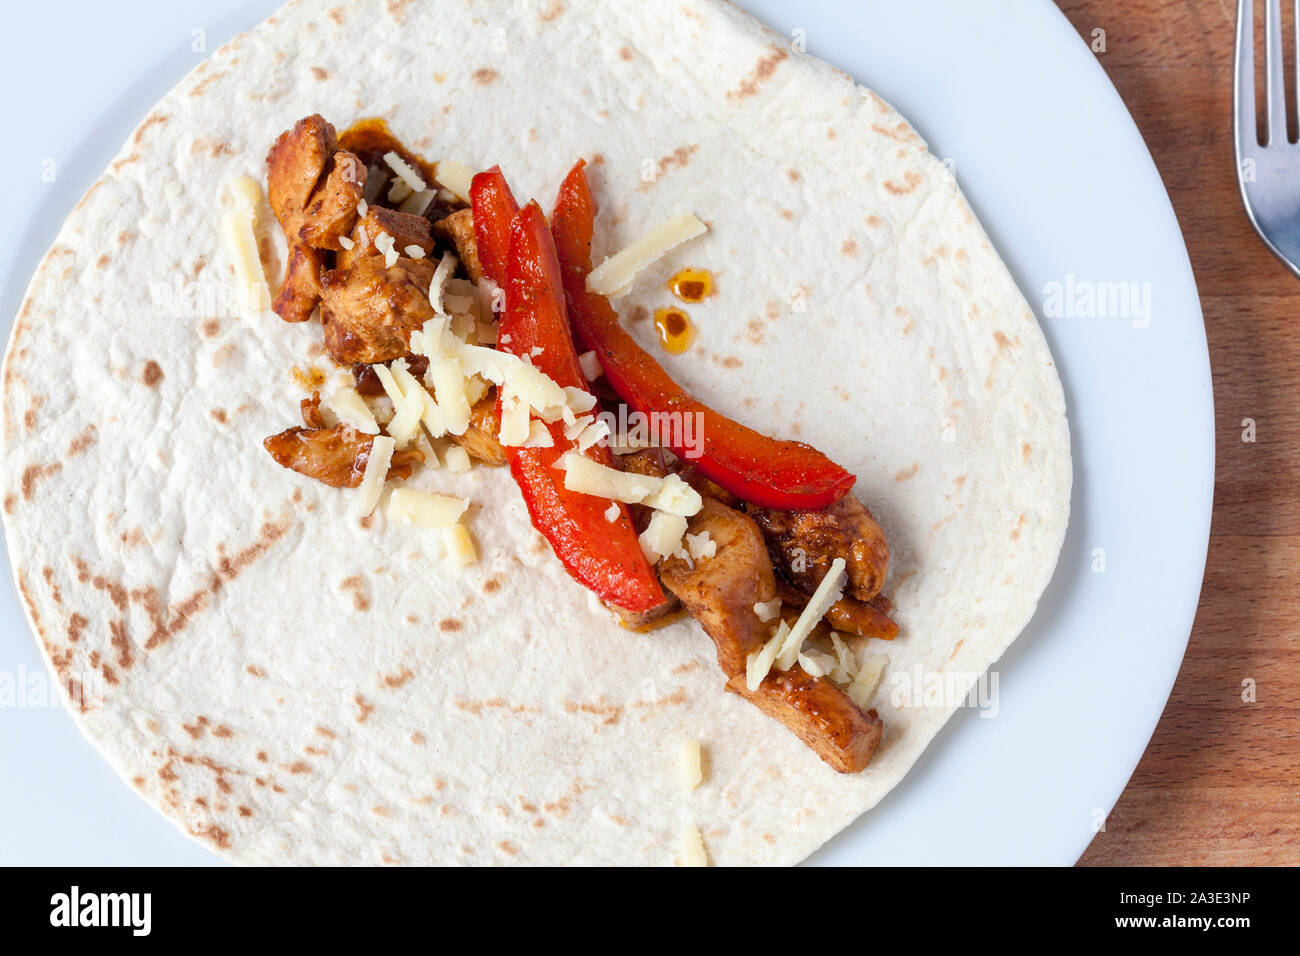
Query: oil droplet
x=675 y=329
x=692 y=285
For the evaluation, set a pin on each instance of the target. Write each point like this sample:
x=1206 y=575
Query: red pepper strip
x=602 y=555
x=787 y=475
x=494 y=210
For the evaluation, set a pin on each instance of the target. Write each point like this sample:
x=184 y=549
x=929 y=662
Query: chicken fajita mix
x=475 y=330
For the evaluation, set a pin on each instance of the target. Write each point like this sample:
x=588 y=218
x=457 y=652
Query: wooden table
x=1220 y=781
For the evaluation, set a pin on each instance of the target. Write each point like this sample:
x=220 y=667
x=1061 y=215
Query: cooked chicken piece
x=295 y=165
x=480 y=439
x=720 y=592
x=847 y=615
x=804 y=543
x=819 y=713
x=301 y=290
x=406 y=230
x=313 y=190
x=459 y=228
x=337 y=456
x=332 y=209
x=311 y=413
x=370 y=311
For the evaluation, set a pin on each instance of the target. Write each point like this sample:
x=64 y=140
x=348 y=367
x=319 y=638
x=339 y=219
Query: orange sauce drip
x=692 y=285
x=675 y=330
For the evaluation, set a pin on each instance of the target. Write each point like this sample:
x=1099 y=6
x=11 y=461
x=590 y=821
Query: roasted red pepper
x=600 y=554
x=788 y=475
x=494 y=211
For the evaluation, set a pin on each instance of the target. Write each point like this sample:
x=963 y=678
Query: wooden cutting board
x=1220 y=781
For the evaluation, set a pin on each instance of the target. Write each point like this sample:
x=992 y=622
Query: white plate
x=1064 y=184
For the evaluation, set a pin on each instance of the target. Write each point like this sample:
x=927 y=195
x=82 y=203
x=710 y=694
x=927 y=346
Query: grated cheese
x=539 y=436
x=446 y=267
x=662 y=538
x=591 y=368
x=372 y=482
x=828 y=592
x=701 y=546
x=614 y=276
x=425 y=510
x=689 y=764
x=447 y=380
x=867 y=680
x=759 y=663
x=384 y=243
x=414 y=252
x=460 y=546
x=418 y=201
x=669 y=495
x=345 y=242
x=766 y=610
x=349 y=406
x=430 y=413
x=405 y=171
x=456 y=177
x=515 y=427
x=612 y=512
x=239 y=233
x=692 y=847
x=456 y=458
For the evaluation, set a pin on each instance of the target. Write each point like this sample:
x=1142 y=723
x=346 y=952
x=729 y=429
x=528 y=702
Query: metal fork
x=1268 y=173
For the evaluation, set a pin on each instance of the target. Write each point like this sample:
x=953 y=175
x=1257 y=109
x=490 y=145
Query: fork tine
x=1275 y=72
x=1244 y=87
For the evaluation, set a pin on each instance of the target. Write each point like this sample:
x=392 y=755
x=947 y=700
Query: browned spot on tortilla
x=899 y=134
x=298 y=766
x=626 y=53
x=365 y=707
x=1001 y=339
x=356 y=585
x=679 y=158
x=484 y=75
x=830 y=132
x=381 y=811
x=165 y=626
x=787 y=215
x=244 y=811
x=505 y=846
x=202 y=85
x=82 y=441
x=493 y=584
x=196 y=729
x=33 y=474
x=551 y=11
x=728 y=361
x=76 y=624
x=849 y=247
x=219 y=416
x=754 y=331
x=336 y=14
x=311 y=751
x=157 y=119
x=224 y=354
x=47 y=572
x=911 y=179
x=450 y=624
x=907 y=473
x=103 y=261
x=761 y=72
x=221 y=730
x=1020 y=523
x=320 y=73
x=152 y=374
x=121 y=643
x=213 y=147
x=609 y=712
x=10 y=501
x=255 y=670
x=417 y=738
x=874 y=221
x=1026 y=451
x=210 y=328
x=400 y=679
x=793 y=175
x=367 y=522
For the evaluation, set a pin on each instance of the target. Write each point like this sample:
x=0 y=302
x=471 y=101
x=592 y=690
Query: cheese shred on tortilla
x=615 y=275
x=372 y=482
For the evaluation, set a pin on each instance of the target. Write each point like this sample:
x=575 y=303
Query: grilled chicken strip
x=369 y=311
x=336 y=456
x=313 y=189
x=459 y=228
x=720 y=592
x=804 y=543
x=405 y=228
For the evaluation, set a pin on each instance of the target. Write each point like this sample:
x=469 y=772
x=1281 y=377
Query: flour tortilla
x=288 y=686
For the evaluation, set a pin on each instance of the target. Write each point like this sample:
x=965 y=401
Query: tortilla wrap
x=290 y=685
